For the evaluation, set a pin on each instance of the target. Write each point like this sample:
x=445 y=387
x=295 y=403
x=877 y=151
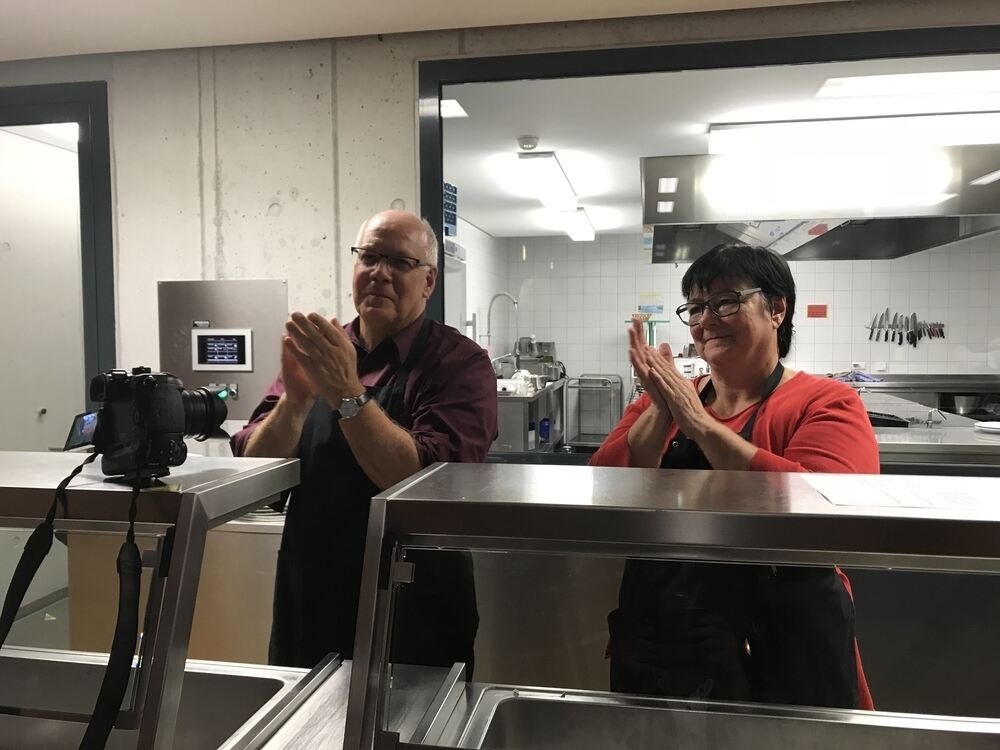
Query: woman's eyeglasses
x=395 y=263
x=723 y=305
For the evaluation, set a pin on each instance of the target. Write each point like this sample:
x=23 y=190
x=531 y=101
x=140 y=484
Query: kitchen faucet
x=489 y=315
x=930 y=421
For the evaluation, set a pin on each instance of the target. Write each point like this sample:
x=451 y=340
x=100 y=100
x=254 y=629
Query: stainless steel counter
x=944 y=448
x=519 y=420
x=941 y=383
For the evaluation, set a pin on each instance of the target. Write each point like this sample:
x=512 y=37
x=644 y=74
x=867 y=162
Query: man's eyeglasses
x=723 y=305
x=395 y=263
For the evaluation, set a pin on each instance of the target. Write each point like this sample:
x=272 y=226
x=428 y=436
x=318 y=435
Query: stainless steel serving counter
x=203 y=493
x=736 y=515
x=886 y=522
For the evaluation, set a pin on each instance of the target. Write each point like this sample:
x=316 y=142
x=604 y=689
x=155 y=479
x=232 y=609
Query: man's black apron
x=732 y=632
x=322 y=551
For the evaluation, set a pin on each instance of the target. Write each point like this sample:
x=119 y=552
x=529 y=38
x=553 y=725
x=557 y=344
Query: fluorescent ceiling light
x=544 y=178
x=904 y=84
x=857 y=135
x=664 y=207
x=451 y=108
x=986 y=179
x=749 y=186
x=577 y=225
x=667 y=185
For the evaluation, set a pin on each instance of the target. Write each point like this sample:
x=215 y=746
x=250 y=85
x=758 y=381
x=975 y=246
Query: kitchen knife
x=906 y=328
x=941 y=329
x=913 y=328
x=886 y=337
x=872 y=327
x=895 y=324
x=881 y=325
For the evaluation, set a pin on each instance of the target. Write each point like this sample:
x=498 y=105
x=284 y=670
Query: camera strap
x=129 y=564
x=35 y=550
x=115 y=682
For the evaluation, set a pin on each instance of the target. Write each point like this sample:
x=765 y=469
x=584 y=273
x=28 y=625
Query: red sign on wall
x=815 y=311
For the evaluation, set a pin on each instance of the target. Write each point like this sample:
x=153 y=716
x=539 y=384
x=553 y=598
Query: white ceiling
x=600 y=127
x=51 y=28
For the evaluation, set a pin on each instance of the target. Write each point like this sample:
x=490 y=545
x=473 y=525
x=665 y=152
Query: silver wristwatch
x=351 y=406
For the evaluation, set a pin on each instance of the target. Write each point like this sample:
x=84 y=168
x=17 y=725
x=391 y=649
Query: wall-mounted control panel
x=224 y=333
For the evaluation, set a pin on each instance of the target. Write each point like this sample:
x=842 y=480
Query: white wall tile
x=964 y=294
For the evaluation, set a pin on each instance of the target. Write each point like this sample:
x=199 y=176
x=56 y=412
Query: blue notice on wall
x=450 y=210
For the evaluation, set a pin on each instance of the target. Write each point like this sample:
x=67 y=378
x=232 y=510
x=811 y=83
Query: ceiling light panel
x=577 y=225
x=544 y=178
x=860 y=135
x=909 y=84
x=667 y=185
x=986 y=179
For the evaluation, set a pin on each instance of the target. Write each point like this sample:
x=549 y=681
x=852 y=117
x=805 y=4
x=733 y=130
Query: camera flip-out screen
x=222 y=349
x=81 y=432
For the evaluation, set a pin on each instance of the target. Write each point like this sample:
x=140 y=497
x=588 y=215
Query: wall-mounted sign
x=651 y=302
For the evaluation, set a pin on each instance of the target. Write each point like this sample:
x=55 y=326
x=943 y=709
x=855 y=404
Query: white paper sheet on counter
x=969 y=493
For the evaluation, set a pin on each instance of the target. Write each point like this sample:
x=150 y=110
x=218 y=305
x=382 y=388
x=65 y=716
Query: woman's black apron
x=318 y=578
x=732 y=632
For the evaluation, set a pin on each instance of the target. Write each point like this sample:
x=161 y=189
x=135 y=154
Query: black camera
x=144 y=418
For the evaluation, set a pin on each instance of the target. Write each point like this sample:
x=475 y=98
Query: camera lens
x=204 y=412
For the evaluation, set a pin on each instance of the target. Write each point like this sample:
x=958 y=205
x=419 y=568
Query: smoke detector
x=527 y=142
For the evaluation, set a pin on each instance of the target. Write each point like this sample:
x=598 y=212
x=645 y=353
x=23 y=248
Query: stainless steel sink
x=504 y=718
x=217 y=699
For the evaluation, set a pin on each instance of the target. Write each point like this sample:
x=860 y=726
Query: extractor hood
x=850 y=239
x=701 y=210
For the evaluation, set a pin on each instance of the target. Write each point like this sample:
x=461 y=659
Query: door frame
x=86 y=104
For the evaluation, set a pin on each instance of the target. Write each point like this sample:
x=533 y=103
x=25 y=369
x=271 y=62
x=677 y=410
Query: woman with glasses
x=738 y=632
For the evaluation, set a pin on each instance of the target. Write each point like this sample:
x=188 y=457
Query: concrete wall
x=263 y=160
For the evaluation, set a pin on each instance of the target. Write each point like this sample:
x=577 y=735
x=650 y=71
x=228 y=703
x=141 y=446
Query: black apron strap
x=769 y=386
x=684 y=453
x=391 y=395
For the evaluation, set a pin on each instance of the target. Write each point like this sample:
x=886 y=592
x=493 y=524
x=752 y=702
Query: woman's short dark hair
x=758 y=265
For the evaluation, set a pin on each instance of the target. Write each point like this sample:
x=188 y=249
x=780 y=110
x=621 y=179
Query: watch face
x=351 y=406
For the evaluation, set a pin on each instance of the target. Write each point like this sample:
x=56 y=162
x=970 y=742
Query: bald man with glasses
x=365 y=405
